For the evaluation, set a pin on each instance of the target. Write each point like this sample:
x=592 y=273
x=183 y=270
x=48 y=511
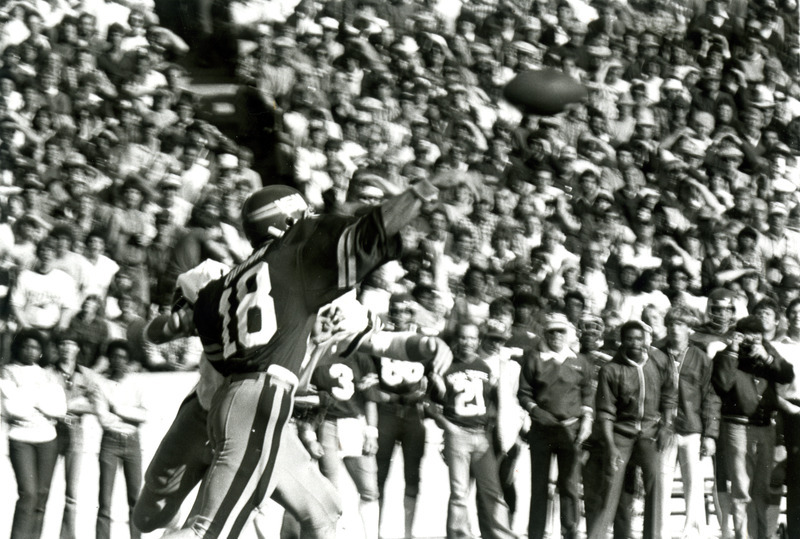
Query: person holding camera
x=745 y=375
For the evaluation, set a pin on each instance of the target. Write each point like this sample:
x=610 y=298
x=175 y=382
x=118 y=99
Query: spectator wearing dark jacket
x=745 y=376
x=696 y=421
x=555 y=388
x=635 y=407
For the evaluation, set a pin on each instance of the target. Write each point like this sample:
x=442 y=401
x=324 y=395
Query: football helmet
x=720 y=309
x=269 y=212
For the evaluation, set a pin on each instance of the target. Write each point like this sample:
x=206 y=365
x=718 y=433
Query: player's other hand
x=442 y=355
x=664 y=438
x=370 y=442
x=613 y=457
x=315 y=450
x=584 y=431
x=708 y=447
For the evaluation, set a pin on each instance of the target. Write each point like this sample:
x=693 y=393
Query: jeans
x=115 y=449
x=70 y=446
x=33 y=465
x=544 y=442
x=469 y=453
x=685 y=449
x=749 y=452
x=641 y=452
x=791 y=434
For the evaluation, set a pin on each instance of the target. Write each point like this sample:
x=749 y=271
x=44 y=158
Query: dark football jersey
x=468 y=390
x=345 y=379
x=262 y=312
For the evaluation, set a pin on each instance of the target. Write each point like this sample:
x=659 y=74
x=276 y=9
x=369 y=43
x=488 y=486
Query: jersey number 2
x=468 y=400
x=254 y=313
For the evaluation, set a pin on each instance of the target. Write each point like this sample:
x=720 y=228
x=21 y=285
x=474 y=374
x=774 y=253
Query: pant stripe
x=262 y=487
x=262 y=428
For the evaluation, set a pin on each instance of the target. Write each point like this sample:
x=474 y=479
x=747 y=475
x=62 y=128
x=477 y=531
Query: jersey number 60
x=252 y=311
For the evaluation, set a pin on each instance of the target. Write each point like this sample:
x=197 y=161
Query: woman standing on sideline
x=32 y=402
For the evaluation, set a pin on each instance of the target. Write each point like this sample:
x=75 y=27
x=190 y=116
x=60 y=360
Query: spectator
x=44 y=298
x=745 y=376
x=696 y=422
x=556 y=390
x=789 y=404
x=634 y=431
x=117 y=401
x=32 y=403
x=90 y=330
x=76 y=382
x=68 y=261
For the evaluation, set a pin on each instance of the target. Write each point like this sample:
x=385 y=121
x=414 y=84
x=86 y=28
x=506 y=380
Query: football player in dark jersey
x=402 y=386
x=349 y=431
x=255 y=324
x=467 y=390
x=183 y=456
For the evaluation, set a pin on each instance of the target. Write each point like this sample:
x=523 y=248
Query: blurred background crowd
x=677 y=176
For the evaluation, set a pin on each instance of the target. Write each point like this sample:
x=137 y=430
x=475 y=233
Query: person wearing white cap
x=776 y=242
x=635 y=407
x=556 y=389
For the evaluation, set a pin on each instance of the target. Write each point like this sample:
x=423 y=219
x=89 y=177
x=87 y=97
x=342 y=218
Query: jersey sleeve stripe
x=346 y=258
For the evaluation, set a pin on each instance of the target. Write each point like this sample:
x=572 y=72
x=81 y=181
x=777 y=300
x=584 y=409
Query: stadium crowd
x=627 y=273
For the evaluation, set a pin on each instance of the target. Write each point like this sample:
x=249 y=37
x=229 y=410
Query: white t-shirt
x=41 y=297
x=103 y=272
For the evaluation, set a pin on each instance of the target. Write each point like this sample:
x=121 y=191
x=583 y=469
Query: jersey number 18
x=252 y=310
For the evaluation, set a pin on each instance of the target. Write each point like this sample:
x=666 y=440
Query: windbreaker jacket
x=635 y=396
x=698 y=403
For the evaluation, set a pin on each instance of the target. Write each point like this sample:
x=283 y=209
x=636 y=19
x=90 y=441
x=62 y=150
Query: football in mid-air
x=545 y=92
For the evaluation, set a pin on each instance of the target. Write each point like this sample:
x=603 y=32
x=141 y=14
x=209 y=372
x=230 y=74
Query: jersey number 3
x=249 y=317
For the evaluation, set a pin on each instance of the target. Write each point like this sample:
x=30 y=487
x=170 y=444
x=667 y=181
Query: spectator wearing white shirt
x=45 y=297
x=31 y=404
x=119 y=405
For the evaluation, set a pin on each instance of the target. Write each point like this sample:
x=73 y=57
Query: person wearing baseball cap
x=555 y=388
x=635 y=421
x=745 y=376
x=776 y=242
